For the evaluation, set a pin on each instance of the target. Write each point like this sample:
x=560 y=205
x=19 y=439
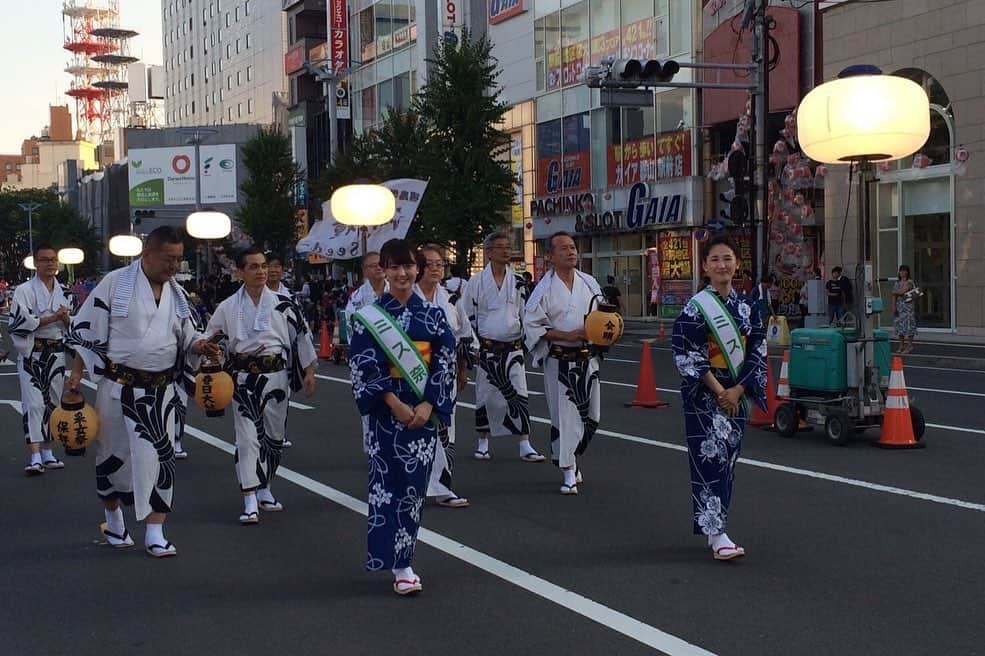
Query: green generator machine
x=821 y=374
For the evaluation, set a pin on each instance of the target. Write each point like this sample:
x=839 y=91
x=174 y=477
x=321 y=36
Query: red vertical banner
x=653 y=268
x=338 y=32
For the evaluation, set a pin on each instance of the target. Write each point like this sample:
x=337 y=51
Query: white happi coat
x=41 y=373
x=439 y=485
x=121 y=323
x=572 y=388
x=274 y=326
x=496 y=312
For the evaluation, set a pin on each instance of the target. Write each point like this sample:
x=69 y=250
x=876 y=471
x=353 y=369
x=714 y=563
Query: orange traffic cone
x=765 y=418
x=325 y=346
x=783 y=387
x=897 y=425
x=646 y=388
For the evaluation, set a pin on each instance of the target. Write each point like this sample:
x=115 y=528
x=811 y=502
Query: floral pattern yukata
x=400 y=459
x=713 y=437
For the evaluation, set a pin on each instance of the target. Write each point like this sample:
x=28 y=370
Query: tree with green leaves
x=54 y=223
x=267 y=211
x=471 y=187
x=451 y=137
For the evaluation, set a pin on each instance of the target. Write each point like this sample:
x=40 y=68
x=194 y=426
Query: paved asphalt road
x=851 y=550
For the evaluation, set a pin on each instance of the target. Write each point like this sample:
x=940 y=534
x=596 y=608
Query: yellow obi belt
x=715 y=356
x=424 y=348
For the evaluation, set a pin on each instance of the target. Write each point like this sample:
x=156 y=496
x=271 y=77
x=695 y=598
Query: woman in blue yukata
x=719 y=346
x=402 y=360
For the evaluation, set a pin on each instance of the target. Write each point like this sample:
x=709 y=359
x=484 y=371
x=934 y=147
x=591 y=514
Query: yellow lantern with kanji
x=603 y=325
x=213 y=388
x=74 y=423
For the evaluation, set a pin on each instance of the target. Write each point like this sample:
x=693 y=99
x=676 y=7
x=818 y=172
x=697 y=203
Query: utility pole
x=756 y=14
x=29 y=208
x=323 y=73
x=196 y=136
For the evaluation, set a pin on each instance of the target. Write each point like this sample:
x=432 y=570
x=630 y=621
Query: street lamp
x=864 y=117
x=208 y=224
x=363 y=205
x=71 y=256
x=29 y=208
x=125 y=245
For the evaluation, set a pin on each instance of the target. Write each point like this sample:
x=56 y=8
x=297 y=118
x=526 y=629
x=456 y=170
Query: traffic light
x=140 y=215
x=737 y=164
x=631 y=73
x=638 y=73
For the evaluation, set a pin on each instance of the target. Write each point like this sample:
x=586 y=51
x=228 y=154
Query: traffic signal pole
x=760 y=58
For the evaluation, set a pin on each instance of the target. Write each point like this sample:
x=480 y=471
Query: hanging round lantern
x=73 y=423
x=603 y=325
x=920 y=161
x=806 y=211
x=961 y=154
x=213 y=388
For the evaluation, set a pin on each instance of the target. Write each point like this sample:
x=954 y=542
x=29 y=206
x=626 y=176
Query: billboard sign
x=500 y=10
x=293 y=60
x=338 y=35
x=166 y=176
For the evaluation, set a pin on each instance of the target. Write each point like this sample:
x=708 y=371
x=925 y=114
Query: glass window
x=547 y=52
x=605 y=30
x=238 y=41
x=367 y=38
x=239 y=78
x=401 y=91
x=249 y=105
x=548 y=157
x=574 y=43
x=246 y=7
x=638 y=38
x=368 y=108
x=927 y=247
x=401 y=18
x=384 y=27
x=249 y=73
x=249 y=40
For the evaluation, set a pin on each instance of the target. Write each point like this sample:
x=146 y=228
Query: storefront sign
x=563 y=205
x=338 y=22
x=638 y=41
x=607 y=221
x=343 y=107
x=646 y=210
x=575 y=60
x=605 y=45
x=319 y=53
x=553 y=69
x=653 y=273
x=668 y=155
x=293 y=60
x=573 y=173
x=500 y=10
x=676 y=271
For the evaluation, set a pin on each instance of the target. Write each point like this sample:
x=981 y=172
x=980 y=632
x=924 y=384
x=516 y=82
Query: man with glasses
x=134 y=332
x=494 y=300
x=39 y=315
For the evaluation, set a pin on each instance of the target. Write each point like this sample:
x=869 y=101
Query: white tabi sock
x=47 y=455
x=525 y=447
x=569 y=477
x=718 y=541
x=177 y=446
x=264 y=494
x=114 y=521
x=35 y=458
x=154 y=535
x=406 y=573
x=483 y=446
x=249 y=503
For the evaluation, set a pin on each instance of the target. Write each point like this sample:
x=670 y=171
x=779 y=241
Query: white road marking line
x=957 y=428
x=16 y=405
x=607 y=617
x=300 y=406
x=530 y=392
x=943 y=391
x=10 y=373
x=947 y=369
x=854 y=482
x=615 y=384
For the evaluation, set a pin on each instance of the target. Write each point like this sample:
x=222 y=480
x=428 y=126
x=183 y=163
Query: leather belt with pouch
x=494 y=346
x=45 y=345
x=571 y=353
x=258 y=364
x=130 y=377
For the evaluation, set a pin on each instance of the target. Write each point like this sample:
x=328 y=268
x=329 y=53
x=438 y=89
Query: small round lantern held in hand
x=213 y=388
x=603 y=325
x=73 y=423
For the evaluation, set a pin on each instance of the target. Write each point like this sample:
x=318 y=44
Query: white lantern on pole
x=71 y=256
x=29 y=263
x=363 y=205
x=863 y=116
x=125 y=246
x=208 y=224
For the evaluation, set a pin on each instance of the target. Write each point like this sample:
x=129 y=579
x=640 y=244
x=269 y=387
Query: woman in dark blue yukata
x=719 y=346
x=402 y=360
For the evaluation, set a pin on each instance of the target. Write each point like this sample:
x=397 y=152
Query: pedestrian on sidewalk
x=402 y=361
x=905 y=293
x=719 y=347
x=270 y=355
x=839 y=295
x=494 y=300
x=132 y=331
x=39 y=316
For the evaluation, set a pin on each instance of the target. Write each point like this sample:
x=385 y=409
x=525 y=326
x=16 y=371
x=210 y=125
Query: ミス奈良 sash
x=723 y=329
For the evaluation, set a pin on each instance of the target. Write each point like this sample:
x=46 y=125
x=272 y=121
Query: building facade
x=929 y=206
x=223 y=62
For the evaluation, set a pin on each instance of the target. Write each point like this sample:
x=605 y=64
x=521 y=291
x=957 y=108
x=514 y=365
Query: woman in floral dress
x=402 y=429
x=715 y=390
x=904 y=313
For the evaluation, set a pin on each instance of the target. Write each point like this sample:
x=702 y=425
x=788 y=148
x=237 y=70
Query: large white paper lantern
x=125 y=245
x=363 y=205
x=71 y=256
x=865 y=116
x=29 y=263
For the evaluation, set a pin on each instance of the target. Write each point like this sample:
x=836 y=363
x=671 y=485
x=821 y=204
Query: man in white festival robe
x=554 y=326
x=275 y=274
x=494 y=300
x=38 y=316
x=373 y=286
x=134 y=333
x=269 y=354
